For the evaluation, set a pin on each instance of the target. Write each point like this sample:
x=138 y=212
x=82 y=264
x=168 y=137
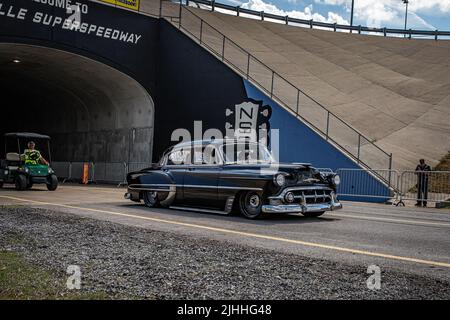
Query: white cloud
x=307 y=13
x=415 y=5
x=430 y=5
x=391 y=12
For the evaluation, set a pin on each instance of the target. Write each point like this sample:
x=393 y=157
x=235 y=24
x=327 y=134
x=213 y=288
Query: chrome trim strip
x=199 y=210
x=147 y=189
x=153 y=187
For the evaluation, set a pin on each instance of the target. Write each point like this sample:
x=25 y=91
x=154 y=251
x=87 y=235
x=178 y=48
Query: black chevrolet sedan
x=223 y=176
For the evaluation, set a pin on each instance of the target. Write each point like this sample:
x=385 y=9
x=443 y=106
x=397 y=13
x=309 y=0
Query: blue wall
x=298 y=143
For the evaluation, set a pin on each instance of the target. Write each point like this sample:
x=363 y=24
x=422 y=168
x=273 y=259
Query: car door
x=175 y=166
x=201 y=178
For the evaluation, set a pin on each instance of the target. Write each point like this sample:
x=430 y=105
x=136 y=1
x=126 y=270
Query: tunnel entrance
x=92 y=111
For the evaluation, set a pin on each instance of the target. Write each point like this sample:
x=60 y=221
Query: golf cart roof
x=28 y=135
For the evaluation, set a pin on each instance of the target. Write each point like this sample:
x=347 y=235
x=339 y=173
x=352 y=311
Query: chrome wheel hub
x=254 y=201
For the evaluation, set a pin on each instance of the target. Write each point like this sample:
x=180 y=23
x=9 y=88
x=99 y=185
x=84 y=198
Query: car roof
x=216 y=142
x=29 y=135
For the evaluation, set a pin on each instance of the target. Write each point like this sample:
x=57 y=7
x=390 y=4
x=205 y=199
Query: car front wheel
x=250 y=205
x=151 y=199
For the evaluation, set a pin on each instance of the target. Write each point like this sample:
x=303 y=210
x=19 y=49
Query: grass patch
x=19 y=280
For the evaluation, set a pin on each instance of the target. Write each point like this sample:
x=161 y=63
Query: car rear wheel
x=21 y=182
x=250 y=205
x=29 y=185
x=52 y=183
x=313 y=214
x=1 y=185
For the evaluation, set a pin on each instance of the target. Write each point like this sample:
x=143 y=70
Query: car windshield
x=246 y=153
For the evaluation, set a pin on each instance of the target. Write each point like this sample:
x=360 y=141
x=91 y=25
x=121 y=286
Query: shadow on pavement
x=272 y=219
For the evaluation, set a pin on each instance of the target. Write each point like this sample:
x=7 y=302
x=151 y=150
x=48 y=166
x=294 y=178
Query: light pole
x=406 y=15
x=351 y=16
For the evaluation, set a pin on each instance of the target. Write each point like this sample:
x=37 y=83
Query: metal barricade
x=62 y=170
x=425 y=186
x=76 y=171
x=110 y=172
x=374 y=185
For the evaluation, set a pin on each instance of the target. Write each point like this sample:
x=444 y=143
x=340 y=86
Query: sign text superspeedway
x=67 y=23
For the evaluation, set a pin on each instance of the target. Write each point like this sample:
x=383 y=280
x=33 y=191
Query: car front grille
x=311 y=196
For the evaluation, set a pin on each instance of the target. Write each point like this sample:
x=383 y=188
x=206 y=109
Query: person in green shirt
x=33 y=156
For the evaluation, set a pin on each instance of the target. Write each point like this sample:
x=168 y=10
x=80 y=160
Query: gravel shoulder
x=120 y=261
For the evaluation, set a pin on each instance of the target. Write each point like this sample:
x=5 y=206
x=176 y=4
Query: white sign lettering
x=71 y=23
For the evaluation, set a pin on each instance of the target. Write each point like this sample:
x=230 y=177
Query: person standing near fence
x=422 y=183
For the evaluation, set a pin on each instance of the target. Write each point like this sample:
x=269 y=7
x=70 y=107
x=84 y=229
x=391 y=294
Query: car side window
x=206 y=155
x=179 y=157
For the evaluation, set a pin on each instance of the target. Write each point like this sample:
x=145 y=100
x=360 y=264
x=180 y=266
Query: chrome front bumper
x=279 y=205
x=300 y=208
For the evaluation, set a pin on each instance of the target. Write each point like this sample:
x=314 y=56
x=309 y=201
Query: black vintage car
x=232 y=175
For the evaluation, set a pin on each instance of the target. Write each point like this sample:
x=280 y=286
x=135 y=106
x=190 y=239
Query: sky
x=422 y=14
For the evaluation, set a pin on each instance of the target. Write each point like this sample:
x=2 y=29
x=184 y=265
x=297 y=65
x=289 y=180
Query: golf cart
x=14 y=169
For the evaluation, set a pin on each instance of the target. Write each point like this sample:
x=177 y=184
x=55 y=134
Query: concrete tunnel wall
x=92 y=111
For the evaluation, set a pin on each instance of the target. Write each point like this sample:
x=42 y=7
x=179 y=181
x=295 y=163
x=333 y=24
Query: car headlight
x=336 y=180
x=279 y=179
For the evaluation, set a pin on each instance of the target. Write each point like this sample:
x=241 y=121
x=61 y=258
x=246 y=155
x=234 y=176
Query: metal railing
x=99 y=172
x=154 y=9
x=285 y=93
x=396 y=186
x=425 y=186
x=409 y=33
x=369 y=184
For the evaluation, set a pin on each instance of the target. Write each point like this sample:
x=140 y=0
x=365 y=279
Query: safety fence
x=395 y=186
x=98 y=172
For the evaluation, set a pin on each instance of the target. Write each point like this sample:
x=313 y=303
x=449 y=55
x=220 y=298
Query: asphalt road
x=411 y=240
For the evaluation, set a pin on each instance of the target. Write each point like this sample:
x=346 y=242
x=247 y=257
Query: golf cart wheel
x=52 y=183
x=313 y=214
x=250 y=205
x=21 y=182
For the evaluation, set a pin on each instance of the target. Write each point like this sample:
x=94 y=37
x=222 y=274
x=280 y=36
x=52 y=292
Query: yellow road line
x=241 y=233
x=106 y=190
x=420 y=222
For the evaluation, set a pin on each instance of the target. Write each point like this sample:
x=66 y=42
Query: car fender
x=153 y=181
